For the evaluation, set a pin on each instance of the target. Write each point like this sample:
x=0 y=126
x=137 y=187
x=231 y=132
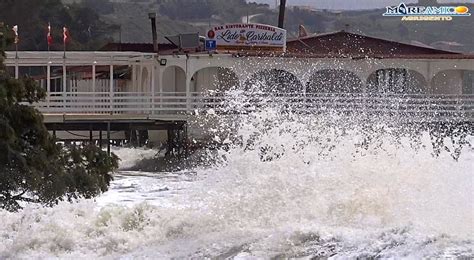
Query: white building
x=170 y=85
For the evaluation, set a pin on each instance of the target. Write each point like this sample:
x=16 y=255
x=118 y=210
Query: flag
x=49 y=37
x=15 y=30
x=66 y=35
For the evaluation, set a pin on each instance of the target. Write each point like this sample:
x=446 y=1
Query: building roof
x=139 y=47
x=339 y=44
x=346 y=44
x=163 y=48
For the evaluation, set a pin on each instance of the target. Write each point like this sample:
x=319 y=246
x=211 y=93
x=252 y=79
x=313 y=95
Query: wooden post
x=91 y=138
x=100 y=139
x=133 y=137
x=170 y=141
x=186 y=147
x=108 y=138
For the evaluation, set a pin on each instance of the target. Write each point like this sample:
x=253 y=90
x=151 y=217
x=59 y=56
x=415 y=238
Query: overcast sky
x=348 y=4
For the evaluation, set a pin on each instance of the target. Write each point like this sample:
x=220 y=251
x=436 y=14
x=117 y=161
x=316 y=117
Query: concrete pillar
x=134 y=78
x=93 y=78
x=111 y=88
x=189 y=74
x=428 y=78
x=93 y=85
x=152 y=87
x=16 y=69
x=64 y=84
x=48 y=84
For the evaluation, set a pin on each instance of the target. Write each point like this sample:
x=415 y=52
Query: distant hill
x=94 y=22
x=177 y=16
x=88 y=29
x=348 y=4
x=453 y=35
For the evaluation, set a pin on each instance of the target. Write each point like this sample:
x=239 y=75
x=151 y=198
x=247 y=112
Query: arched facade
x=213 y=78
x=409 y=76
x=397 y=81
x=334 y=81
x=161 y=86
x=274 y=81
x=174 y=79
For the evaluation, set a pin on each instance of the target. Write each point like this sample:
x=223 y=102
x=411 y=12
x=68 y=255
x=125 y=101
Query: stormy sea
x=279 y=185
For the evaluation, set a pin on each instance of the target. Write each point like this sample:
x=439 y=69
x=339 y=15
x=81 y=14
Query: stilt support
x=108 y=138
x=100 y=139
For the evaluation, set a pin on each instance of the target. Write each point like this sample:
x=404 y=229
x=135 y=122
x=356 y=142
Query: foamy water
x=289 y=186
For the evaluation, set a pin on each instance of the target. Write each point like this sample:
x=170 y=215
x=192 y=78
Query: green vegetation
x=33 y=167
x=96 y=22
x=88 y=30
x=230 y=11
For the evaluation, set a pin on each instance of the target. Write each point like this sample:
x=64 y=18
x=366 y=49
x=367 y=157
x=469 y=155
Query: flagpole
x=17 y=39
x=65 y=38
x=49 y=38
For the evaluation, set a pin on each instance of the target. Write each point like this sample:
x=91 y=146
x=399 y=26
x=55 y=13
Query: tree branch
x=17 y=196
x=28 y=200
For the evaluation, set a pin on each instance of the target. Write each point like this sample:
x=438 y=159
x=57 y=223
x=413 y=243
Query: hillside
x=195 y=16
x=176 y=16
x=95 y=22
x=87 y=28
x=347 y=5
x=454 y=34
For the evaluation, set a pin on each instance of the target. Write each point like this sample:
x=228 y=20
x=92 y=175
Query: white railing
x=172 y=103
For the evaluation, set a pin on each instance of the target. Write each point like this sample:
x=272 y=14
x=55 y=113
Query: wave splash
x=283 y=185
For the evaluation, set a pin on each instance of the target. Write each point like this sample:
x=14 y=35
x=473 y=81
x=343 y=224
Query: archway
x=397 y=81
x=334 y=81
x=174 y=79
x=214 y=78
x=453 y=82
x=274 y=81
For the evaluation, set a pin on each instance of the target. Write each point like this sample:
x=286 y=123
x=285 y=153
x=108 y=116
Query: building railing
x=446 y=107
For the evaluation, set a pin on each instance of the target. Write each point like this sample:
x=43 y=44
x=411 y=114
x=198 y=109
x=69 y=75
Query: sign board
x=210 y=45
x=248 y=37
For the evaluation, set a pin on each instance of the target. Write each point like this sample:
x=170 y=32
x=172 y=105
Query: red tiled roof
x=339 y=44
x=346 y=44
x=140 y=47
x=163 y=48
x=358 y=57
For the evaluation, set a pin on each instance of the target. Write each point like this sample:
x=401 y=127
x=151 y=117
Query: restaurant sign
x=248 y=36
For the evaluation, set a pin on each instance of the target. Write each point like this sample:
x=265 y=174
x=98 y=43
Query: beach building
x=131 y=83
